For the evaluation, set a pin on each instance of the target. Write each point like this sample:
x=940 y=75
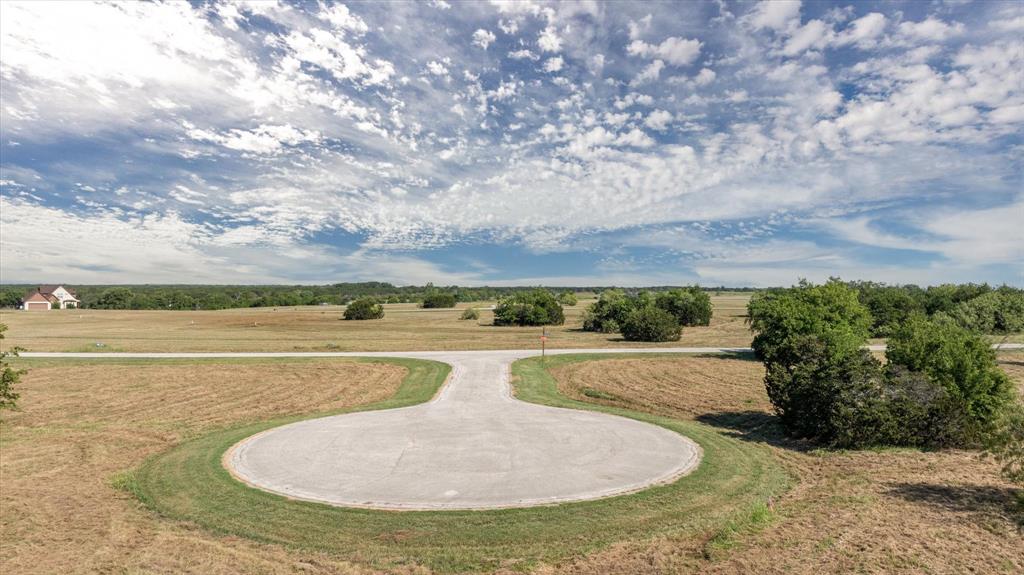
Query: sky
x=512 y=143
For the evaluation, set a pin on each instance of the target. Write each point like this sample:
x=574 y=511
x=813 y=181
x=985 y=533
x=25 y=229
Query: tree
x=567 y=298
x=9 y=376
x=438 y=300
x=651 y=323
x=609 y=312
x=889 y=306
x=115 y=298
x=690 y=306
x=10 y=298
x=364 y=308
x=961 y=362
x=782 y=320
x=1000 y=311
x=537 y=307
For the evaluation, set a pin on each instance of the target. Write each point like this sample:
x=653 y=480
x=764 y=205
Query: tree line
x=214 y=297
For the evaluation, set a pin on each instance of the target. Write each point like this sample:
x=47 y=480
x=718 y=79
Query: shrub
x=690 y=306
x=650 y=323
x=889 y=306
x=1006 y=444
x=567 y=298
x=9 y=376
x=364 y=308
x=783 y=319
x=470 y=313
x=961 y=362
x=609 y=312
x=1000 y=311
x=438 y=300
x=537 y=307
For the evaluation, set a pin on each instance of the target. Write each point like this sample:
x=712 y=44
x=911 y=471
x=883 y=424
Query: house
x=50 y=297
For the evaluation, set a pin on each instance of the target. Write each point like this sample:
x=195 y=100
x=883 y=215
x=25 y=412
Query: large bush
x=690 y=306
x=609 y=312
x=364 y=308
x=961 y=362
x=438 y=300
x=650 y=323
x=889 y=306
x=1000 y=311
x=783 y=319
x=537 y=307
x=941 y=386
x=567 y=298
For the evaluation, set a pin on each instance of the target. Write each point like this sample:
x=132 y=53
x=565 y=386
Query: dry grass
x=82 y=424
x=404 y=328
x=888 y=511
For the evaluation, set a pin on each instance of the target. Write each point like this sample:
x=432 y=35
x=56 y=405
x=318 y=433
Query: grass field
x=404 y=328
x=66 y=503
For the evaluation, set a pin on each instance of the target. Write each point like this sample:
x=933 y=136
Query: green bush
x=651 y=323
x=364 y=308
x=961 y=362
x=1006 y=444
x=567 y=298
x=941 y=386
x=783 y=319
x=609 y=312
x=889 y=306
x=537 y=307
x=1000 y=311
x=690 y=306
x=438 y=300
x=470 y=313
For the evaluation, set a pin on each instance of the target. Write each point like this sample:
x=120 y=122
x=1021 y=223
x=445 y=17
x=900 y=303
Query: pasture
x=107 y=468
x=405 y=327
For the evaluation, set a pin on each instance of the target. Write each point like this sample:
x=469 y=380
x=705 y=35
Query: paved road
x=472 y=447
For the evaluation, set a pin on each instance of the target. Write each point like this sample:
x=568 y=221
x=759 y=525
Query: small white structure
x=49 y=297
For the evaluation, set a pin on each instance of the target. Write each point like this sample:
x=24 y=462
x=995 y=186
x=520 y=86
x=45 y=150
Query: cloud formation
x=563 y=141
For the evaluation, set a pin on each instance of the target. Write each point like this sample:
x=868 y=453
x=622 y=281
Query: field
x=404 y=328
x=875 y=511
x=74 y=456
x=67 y=502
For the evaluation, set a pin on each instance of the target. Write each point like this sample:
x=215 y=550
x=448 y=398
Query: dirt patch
x=887 y=511
x=81 y=425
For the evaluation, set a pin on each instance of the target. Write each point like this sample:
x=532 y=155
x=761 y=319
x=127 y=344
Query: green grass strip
x=189 y=483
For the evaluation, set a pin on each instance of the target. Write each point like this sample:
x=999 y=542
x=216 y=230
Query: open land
x=405 y=327
x=84 y=423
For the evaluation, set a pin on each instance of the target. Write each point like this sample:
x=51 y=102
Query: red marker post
x=543 y=343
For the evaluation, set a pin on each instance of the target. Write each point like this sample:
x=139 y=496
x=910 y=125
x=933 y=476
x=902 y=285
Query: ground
x=884 y=511
x=405 y=327
x=83 y=423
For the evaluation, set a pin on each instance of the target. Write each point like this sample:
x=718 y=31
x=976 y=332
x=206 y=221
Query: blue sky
x=734 y=143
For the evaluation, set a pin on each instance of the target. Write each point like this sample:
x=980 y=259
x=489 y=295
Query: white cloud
x=705 y=77
x=814 y=34
x=863 y=31
x=675 y=51
x=554 y=64
x=658 y=120
x=483 y=38
x=549 y=41
x=775 y=14
x=930 y=29
x=649 y=74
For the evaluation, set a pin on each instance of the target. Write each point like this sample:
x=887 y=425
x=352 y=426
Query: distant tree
x=890 y=306
x=997 y=312
x=470 y=313
x=536 y=307
x=567 y=298
x=115 y=298
x=690 y=306
x=9 y=376
x=438 y=299
x=650 y=323
x=364 y=308
x=609 y=312
x=10 y=298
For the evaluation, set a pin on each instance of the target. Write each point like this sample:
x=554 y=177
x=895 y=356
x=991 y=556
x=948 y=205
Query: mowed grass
x=732 y=484
x=871 y=511
x=404 y=328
